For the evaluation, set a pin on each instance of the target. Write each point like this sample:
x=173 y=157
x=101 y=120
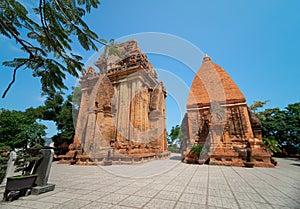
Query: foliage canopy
x=282 y=126
x=45 y=33
x=174 y=134
x=19 y=129
x=23 y=130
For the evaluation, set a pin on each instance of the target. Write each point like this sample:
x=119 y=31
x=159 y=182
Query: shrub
x=196 y=149
x=26 y=159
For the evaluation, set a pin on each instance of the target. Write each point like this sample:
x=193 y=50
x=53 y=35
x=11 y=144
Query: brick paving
x=168 y=184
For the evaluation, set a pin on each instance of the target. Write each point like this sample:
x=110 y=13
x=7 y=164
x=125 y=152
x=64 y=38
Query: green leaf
x=49 y=36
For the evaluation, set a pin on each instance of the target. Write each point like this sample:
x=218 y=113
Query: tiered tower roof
x=213 y=84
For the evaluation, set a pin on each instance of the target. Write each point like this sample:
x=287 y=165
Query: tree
x=20 y=129
x=282 y=126
x=58 y=109
x=47 y=40
x=76 y=97
x=76 y=100
x=273 y=123
x=271 y=144
x=175 y=133
x=257 y=104
x=64 y=123
x=292 y=112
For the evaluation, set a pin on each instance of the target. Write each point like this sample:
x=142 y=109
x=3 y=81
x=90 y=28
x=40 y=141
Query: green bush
x=271 y=144
x=173 y=148
x=26 y=159
x=196 y=149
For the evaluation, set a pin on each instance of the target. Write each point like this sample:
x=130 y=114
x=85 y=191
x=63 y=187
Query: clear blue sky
x=256 y=42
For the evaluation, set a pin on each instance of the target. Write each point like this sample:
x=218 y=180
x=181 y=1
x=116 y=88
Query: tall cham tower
x=122 y=111
x=218 y=118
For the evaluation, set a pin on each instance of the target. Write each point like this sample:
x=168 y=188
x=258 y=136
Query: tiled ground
x=169 y=184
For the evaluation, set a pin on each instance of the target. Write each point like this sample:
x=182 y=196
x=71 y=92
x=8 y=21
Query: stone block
x=42 y=189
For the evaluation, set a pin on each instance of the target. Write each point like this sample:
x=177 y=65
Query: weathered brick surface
x=219 y=119
x=122 y=111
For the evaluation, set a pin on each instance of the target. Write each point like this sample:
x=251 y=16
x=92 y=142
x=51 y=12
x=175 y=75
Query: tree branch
x=13 y=79
x=21 y=41
x=75 y=26
x=45 y=28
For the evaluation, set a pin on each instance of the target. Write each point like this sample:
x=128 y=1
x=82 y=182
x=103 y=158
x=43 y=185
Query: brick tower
x=218 y=118
x=122 y=112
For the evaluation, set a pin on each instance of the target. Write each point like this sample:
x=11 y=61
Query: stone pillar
x=42 y=169
x=90 y=131
x=10 y=167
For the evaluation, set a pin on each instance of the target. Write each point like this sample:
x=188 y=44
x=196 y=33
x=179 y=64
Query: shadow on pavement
x=176 y=158
x=296 y=164
x=290 y=158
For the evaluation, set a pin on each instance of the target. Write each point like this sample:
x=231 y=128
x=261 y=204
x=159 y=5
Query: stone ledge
x=42 y=189
x=92 y=160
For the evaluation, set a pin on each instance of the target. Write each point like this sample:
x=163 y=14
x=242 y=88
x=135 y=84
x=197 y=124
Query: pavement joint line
x=207 y=189
x=253 y=188
x=236 y=200
x=142 y=177
x=263 y=183
x=165 y=187
x=292 y=185
x=152 y=182
x=276 y=188
x=185 y=188
x=160 y=189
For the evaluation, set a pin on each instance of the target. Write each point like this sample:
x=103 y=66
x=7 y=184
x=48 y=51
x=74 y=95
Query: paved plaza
x=168 y=184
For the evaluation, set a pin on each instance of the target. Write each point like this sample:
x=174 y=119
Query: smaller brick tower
x=219 y=119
